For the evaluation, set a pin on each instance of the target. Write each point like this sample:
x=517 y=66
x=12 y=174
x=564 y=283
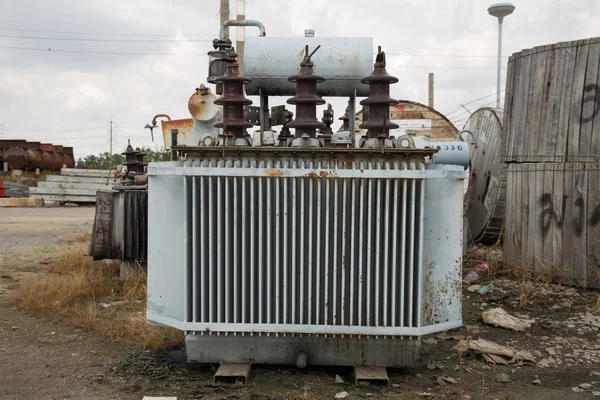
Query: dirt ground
x=45 y=360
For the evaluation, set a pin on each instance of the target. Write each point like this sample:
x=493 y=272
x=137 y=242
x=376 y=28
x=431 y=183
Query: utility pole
x=431 y=89
x=225 y=15
x=111 y=134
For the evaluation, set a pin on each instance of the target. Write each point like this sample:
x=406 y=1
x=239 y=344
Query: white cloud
x=69 y=97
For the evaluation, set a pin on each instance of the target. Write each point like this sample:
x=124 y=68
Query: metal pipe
x=499 y=61
x=174 y=133
x=246 y=22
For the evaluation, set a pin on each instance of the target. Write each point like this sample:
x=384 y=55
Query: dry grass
x=74 y=289
x=81 y=238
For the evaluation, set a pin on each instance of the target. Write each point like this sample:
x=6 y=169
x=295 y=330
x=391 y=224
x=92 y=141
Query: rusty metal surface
x=185 y=127
x=120 y=225
x=379 y=124
x=271 y=153
x=201 y=106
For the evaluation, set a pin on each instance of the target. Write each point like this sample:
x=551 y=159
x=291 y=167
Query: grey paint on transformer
x=343 y=62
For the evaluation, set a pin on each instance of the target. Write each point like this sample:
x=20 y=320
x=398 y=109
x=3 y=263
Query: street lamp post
x=500 y=10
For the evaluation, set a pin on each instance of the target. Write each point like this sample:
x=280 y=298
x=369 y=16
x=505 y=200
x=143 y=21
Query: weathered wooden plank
x=546 y=170
x=21 y=202
x=529 y=220
x=77 y=179
x=509 y=104
x=41 y=191
x=589 y=104
x=519 y=132
x=557 y=191
x=593 y=226
x=529 y=151
x=551 y=114
x=568 y=77
x=540 y=142
x=578 y=197
x=563 y=210
x=576 y=103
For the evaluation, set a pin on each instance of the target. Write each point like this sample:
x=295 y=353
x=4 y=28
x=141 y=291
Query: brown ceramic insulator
x=233 y=101
x=306 y=101
x=130 y=158
x=140 y=159
x=345 y=120
x=379 y=100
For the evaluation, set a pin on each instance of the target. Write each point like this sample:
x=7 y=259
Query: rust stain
x=273 y=172
x=312 y=175
x=185 y=128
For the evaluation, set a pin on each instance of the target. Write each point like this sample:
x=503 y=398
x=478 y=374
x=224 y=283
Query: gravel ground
x=44 y=360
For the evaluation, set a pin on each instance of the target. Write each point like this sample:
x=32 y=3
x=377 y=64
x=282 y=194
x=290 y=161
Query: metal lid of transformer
x=233 y=100
x=379 y=100
x=306 y=98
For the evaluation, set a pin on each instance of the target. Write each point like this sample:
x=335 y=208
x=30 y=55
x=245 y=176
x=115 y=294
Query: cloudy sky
x=127 y=60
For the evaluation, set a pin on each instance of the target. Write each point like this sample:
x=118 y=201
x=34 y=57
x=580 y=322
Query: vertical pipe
x=244 y=263
x=285 y=262
x=403 y=239
x=220 y=263
x=187 y=312
x=326 y=255
x=236 y=244
x=411 y=251
x=294 y=249
x=377 y=263
x=240 y=33
x=278 y=262
x=395 y=239
x=269 y=243
x=261 y=241
x=335 y=251
x=499 y=62
x=301 y=247
x=344 y=263
x=252 y=235
x=386 y=250
x=227 y=244
x=361 y=230
x=353 y=250
x=204 y=235
x=318 y=258
x=369 y=248
x=211 y=252
x=195 y=243
x=310 y=249
x=420 y=235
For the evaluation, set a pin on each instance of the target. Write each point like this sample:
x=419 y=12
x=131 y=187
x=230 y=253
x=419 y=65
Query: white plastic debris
x=499 y=317
x=496 y=353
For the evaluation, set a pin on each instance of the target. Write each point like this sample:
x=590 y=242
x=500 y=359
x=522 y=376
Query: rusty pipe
x=245 y=22
x=158 y=116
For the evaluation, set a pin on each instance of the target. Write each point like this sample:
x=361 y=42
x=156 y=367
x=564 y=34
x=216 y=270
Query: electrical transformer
x=312 y=250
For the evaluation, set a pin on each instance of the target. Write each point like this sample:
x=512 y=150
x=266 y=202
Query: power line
x=483 y=105
x=472 y=101
x=442 y=55
x=99 y=52
x=100 y=33
x=106 y=40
